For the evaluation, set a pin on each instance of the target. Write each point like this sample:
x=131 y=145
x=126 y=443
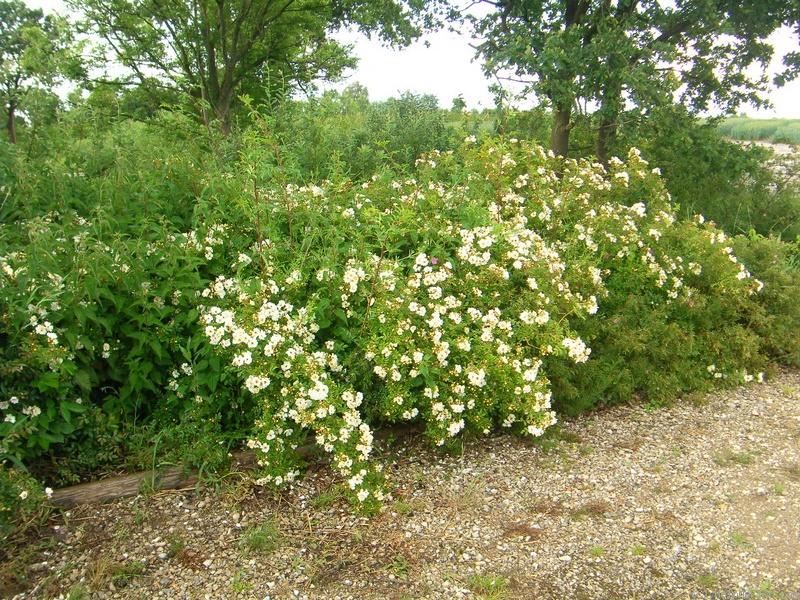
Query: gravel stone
x=700 y=499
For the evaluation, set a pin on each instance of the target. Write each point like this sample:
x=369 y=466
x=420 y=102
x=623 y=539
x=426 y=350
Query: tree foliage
x=35 y=50
x=217 y=50
x=648 y=53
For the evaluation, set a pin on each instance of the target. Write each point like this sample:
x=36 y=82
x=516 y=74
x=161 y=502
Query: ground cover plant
x=476 y=292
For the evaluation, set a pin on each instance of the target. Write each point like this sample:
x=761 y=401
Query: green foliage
x=251 y=47
x=22 y=501
x=732 y=185
x=488 y=587
x=777 y=322
x=264 y=537
x=345 y=134
x=614 y=54
x=35 y=50
x=98 y=331
x=168 y=303
x=133 y=178
x=458 y=297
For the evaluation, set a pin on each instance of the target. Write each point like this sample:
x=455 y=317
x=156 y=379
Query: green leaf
x=341 y=315
x=322 y=305
x=83 y=379
x=47 y=381
x=72 y=407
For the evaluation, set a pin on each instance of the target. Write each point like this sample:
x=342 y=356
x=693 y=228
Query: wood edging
x=177 y=477
x=125 y=486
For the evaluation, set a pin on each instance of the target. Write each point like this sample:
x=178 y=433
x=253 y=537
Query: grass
x=596 y=551
x=465 y=496
x=638 y=550
x=488 y=587
x=553 y=436
x=728 y=458
x=586 y=449
x=738 y=539
x=766 y=589
x=77 y=592
x=707 y=580
x=104 y=570
x=328 y=497
x=402 y=508
x=264 y=537
x=239 y=585
x=595 y=508
x=772 y=130
x=14 y=561
x=399 y=566
x=175 y=545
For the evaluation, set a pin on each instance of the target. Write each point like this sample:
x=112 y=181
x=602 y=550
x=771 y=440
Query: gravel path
x=698 y=500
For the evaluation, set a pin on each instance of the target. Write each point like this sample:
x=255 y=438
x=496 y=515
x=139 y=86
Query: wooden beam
x=125 y=486
x=175 y=478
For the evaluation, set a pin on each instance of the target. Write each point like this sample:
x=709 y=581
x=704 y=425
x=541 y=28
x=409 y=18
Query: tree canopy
x=34 y=50
x=216 y=50
x=645 y=53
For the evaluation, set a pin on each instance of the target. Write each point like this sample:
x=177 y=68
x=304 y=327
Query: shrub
x=345 y=133
x=97 y=330
x=733 y=185
x=22 y=503
x=777 y=323
x=127 y=170
x=454 y=298
x=480 y=293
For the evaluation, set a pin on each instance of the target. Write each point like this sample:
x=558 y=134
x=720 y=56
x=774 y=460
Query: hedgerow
x=475 y=295
x=458 y=298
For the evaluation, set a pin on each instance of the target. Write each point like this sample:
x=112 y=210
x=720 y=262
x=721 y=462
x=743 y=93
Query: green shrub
x=130 y=171
x=99 y=334
x=22 y=502
x=346 y=134
x=731 y=185
x=777 y=323
x=472 y=295
x=455 y=298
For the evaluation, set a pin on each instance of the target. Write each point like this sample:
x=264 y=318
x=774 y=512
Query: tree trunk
x=12 y=121
x=605 y=139
x=609 y=112
x=222 y=108
x=559 y=136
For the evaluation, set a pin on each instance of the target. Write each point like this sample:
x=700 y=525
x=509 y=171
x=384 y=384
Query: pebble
x=504 y=506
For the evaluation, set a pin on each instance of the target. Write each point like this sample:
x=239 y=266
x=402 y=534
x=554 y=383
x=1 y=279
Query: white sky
x=446 y=68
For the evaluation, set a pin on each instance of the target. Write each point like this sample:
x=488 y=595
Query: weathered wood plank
x=126 y=486
x=174 y=478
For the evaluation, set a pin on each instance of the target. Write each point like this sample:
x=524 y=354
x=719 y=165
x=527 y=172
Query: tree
x=614 y=53
x=216 y=50
x=459 y=104
x=35 y=50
